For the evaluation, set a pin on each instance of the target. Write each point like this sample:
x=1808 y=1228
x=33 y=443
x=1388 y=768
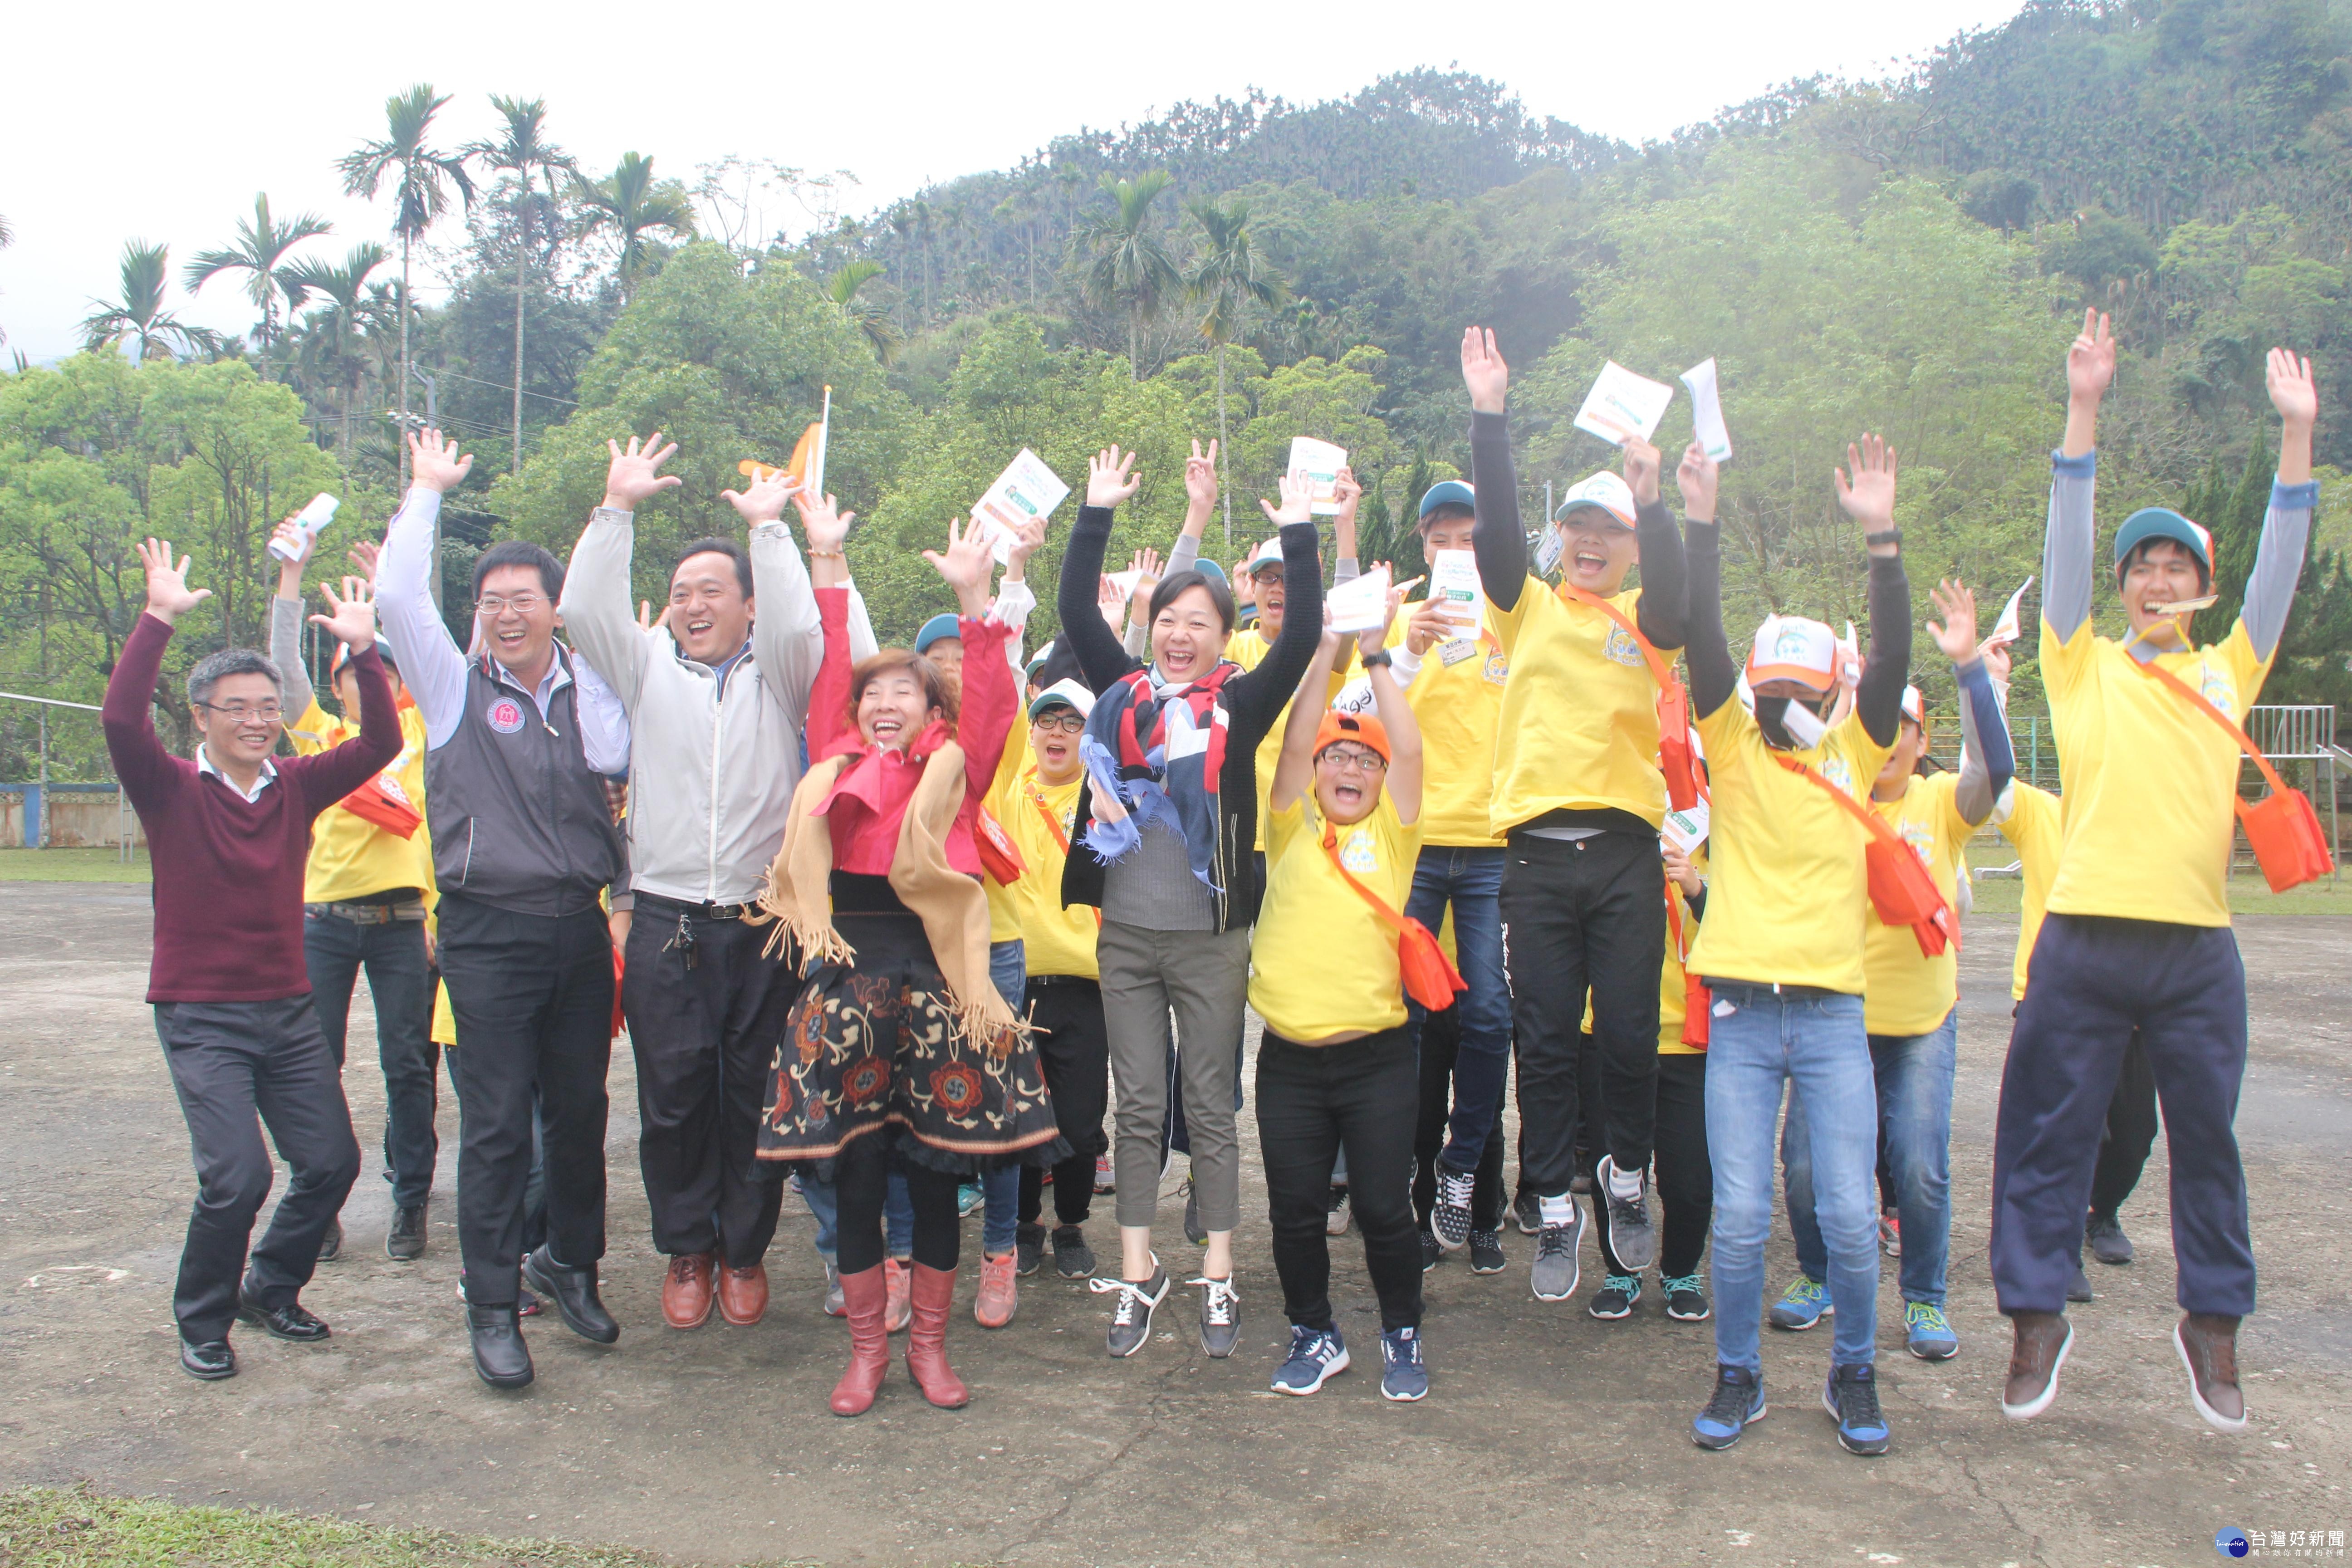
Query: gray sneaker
x=1073 y=1259
x=834 y=1305
x=1632 y=1236
x=1130 y=1318
x=1220 y=1315
x=1555 y=1271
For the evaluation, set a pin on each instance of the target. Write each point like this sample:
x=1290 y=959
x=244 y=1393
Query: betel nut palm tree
x=1229 y=275
x=1131 y=269
x=632 y=204
x=523 y=150
x=154 y=333
x=260 y=252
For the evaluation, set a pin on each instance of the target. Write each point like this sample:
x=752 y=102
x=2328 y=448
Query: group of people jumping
x=887 y=925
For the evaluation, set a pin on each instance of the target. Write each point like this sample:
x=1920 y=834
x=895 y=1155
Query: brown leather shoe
x=933 y=1294
x=2039 y=1350
x=863 y=1296
x=686 y=1290
x=743 y=1294
x=2209 y=1348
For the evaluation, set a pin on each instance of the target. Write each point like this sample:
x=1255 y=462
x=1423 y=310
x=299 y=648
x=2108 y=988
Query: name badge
x=1452 y=653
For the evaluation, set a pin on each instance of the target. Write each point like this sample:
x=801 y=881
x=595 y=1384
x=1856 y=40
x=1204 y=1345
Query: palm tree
x=7 y=238
x=337 y=327
x=630 y=203
x=1132 y=270
x=1229 y=274
x=421 y=178
x=259 y=253
x=138 y=314
x=525 y=152
x=869 y=318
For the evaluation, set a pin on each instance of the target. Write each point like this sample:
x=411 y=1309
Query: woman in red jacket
x=900 y=1050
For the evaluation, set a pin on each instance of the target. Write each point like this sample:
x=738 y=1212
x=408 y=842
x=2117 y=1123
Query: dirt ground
x=1550 y=1437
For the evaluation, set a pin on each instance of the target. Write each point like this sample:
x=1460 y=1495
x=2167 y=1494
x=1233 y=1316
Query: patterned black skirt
x=871 y=1049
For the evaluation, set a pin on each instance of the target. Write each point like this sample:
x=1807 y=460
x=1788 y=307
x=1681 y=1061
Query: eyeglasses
x=1356 y=757
x=241 y=712
x=495 y=605
x=1061 y=723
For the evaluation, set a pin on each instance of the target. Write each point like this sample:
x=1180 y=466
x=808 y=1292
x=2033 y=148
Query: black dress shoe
x=291 y=1322
x=331 y=1244
x=500 y=1358
x=211 y=1361
x=574 y=1291
x=405 y=1242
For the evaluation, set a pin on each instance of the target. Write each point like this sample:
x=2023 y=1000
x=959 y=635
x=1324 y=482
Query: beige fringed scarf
x=951 y=906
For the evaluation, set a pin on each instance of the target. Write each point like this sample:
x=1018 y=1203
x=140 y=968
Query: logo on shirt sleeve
x=506 y=715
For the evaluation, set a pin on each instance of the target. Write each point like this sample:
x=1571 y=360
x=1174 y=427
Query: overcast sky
x=162 y=121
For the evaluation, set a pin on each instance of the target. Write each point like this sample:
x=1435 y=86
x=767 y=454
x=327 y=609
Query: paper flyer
x=1026 y=489
x=1686 y=829
x=1707 y=410
x=1622 y=404
x=1453 y=588
x=1321 y=463
x=1360 y=605
x=2005 y=630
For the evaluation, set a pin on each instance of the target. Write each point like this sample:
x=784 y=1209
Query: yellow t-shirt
x=1248 y=649
x=1003 y=906
x=1055 y=940
x=2036 y=825
x=1321 y=962
x=2149 y=780
x=1789 y=899
x=1904 y=992
x=1578 y=727
x=351 y=856
x=1457 y=698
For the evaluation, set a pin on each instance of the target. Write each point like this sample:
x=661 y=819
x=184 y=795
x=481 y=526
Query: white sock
x=1561 y=1210
x=1623 y=1186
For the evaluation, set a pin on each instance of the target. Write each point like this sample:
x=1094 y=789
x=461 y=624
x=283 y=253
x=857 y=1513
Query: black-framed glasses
x=1062 y=723
x=241 y=712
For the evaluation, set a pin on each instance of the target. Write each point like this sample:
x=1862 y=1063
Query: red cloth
x=868 y=802
x=228 y=872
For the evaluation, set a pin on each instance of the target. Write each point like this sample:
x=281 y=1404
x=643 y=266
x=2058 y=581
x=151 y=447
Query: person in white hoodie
x=717 y=692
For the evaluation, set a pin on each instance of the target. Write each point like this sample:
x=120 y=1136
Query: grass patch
x=41 y=1527
x=2249 y=894
x=71 y=866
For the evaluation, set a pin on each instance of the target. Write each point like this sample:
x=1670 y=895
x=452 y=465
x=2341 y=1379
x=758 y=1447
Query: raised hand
x=1996 y=661
x=1427 y=628
x=298 y=540
x=634 y=475
x=2090 y=359
x=168 y=595
x=2294 y=393
x=1244 y=586
x=1641 y=464
x=822 y=520
x=434 y=464
x=352 y=614
x=1349 y=495
x=1107 y=600
x=1866 y=487
x=1484 y=372
x=1200 y=479
x=645 y=615
x=1957 y=636
x=1298 y=500
x=1028 y=538
x=364 y=555
x=1111 y=477
x=763 y=502
x=1697 y=478
x=966 y=565
x=1374 y=639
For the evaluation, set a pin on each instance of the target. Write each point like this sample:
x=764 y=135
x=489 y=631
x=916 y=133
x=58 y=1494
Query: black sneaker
x=1850 y=1396
x=1432 y=1255
x=1686 y=1298
x=1487 y=1252
x=1528 y=1210
x=2078 y=1289
x=1616 y=1296
x=2109 y=1242
x=1028 y=1248
x=1632 y=1236
x=1194 y=1231
x=1449 y=1218
x=1130 y=1318
x=331 y=1245
x=405 y=1242
x=1553 y=1274
x=1073 y=1259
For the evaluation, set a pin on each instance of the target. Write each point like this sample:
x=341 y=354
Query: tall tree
x=524 y=152
x=260 y=252
x=1132 y=270
x=421 y=181
x=872 y=319
x=1229 y=274
x=138 y=314
x=7 y=238
x=631 y=202
x=338 y=329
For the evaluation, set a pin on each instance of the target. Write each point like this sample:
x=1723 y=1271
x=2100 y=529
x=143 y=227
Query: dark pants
x=239 y=1067
x=1073 y=1047
x=1313 y=1101
x=2094 y=981
x=1441 y=1038
x=861 y=1185
x=2130 y=1134
x=400 y=981
x=534 y=1187
x=1579 y=917
x=533 y=999
x=1686 y=1179
x=704 y=1013
x=1471 y=880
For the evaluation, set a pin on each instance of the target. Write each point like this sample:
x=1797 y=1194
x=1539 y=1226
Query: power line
x=502 y=387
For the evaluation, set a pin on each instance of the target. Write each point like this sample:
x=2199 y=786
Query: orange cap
x=1360 y=727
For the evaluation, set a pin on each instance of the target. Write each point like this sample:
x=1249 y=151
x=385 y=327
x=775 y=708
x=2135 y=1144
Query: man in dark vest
x=523 y=844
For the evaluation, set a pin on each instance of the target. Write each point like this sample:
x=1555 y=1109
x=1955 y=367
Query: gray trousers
x=1204 y=977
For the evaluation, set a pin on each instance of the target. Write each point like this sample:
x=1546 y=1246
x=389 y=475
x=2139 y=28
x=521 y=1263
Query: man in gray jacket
x=717 y=693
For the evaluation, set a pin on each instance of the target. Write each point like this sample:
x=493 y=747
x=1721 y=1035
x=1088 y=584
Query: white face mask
x=1804 y=725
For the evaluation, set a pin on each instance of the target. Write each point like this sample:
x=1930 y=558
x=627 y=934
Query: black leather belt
x=370 y=914
x=1061 y=980
x=679 y=906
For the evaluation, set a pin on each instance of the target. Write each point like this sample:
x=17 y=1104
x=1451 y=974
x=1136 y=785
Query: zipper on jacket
x=711 y=850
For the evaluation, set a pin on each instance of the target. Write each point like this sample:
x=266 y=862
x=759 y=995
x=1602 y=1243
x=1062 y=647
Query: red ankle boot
x=927 y=1339
x=864 y=1297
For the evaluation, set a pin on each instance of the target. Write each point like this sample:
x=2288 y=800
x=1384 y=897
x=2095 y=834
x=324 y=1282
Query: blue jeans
x=1758 y=1041
x=1471 y=880
x=822 y=1202
x=1913 y=1078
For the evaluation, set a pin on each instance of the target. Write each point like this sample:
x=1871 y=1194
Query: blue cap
x=1208 y=568
x=2163 y=523
x=937 y=626
x=1447 y=492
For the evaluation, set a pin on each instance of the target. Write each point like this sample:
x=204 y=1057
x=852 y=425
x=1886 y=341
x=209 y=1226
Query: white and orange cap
x=1914 y=707
x=1605 y=490
x=1791 y=647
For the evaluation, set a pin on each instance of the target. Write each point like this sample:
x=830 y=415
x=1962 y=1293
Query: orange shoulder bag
x=1674 y=748
x=2289 y=843
x=1053 y=826
x=1696 y=998
x=1430 y=977
x=997 y=856
x=1901 y=889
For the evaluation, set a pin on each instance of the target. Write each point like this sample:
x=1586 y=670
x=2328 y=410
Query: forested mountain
x=1908 y=255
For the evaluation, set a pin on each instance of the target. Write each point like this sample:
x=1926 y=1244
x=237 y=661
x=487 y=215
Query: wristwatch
x=1377 y=659
x=1890 y=536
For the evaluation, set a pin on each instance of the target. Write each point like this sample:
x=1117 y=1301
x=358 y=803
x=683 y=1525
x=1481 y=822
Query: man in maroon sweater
x=229 y=834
